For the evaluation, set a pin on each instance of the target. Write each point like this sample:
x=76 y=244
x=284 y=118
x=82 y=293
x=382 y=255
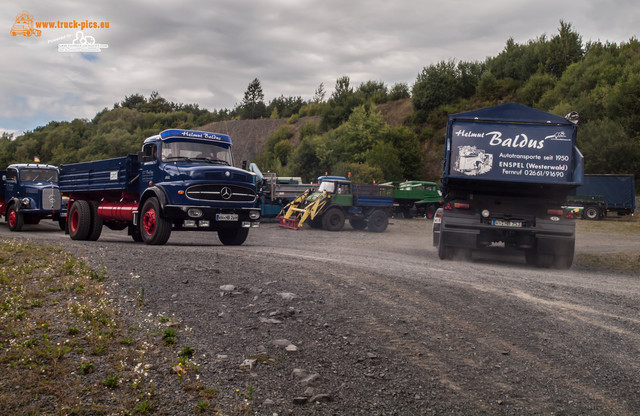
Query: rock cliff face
x=249 y=136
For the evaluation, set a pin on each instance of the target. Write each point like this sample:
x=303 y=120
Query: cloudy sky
x=207 y=52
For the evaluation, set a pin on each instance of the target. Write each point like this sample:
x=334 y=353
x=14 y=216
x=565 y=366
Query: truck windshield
x=39 y=175
x=193 y=151
x=327 y=186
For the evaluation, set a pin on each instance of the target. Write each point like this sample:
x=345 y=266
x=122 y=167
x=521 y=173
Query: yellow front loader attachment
x=297 y=211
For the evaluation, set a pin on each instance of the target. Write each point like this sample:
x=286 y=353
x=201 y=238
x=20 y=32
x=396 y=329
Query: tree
x=374 y=91
x=399 y=91
x=286 y=106
x=564 y=49
x=338 y=109
x=253 y=102
x=385 y=157
x=535 y=87
x=312 y=158
x=436 y=85
x=318 y=96
x=353 y=139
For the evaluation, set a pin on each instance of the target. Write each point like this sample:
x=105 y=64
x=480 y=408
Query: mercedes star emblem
x=226 y=192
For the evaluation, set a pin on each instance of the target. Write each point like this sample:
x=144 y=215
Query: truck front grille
x=221 y=192
x=51 y=199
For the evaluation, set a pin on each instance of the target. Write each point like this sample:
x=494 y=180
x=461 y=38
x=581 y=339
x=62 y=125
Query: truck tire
x=333 y=219
x=154 y=229
x=592 y=213
x=358 y=223
x=96 y=222
x=378 y=221
x=233 y=236
x=431 y=211
x=315 y=223
x=79 y=220
x=134 y=232
x=62 y=223
x=15 y=219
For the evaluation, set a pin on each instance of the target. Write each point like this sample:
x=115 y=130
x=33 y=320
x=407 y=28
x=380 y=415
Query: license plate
x=507 y=223
x=226 y=217
x=437 y=220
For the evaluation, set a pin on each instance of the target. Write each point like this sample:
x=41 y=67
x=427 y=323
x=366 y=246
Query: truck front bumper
x=190 y=217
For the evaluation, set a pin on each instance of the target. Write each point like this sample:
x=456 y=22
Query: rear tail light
x=461 y=205
x=556 y=212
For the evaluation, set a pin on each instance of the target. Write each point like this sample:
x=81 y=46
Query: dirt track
x=381 y=325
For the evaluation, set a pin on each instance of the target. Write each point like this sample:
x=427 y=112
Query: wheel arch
x=152 y=192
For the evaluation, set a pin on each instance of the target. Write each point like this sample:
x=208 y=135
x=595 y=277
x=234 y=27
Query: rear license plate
x=507 y=223
x=226 y=217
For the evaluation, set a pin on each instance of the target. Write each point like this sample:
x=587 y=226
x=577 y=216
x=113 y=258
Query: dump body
x=182 y=180
x=507 y=172
x=601 y=194
x=29 y=193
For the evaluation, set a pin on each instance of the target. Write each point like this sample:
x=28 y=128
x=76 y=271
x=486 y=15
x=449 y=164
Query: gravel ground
x=314 y=322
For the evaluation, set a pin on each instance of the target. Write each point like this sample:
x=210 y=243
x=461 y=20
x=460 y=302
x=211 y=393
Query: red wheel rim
x=430 y=212
x=12 y=218
x=73 y=224
x=149 y=221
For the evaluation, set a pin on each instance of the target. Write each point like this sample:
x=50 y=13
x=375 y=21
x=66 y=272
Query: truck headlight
x=25 y=202
x=254 y=215
x=485 y=213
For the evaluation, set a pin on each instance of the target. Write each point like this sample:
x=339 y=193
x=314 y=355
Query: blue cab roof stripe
x=195 y=134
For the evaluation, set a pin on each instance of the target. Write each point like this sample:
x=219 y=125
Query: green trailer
x=411 y=198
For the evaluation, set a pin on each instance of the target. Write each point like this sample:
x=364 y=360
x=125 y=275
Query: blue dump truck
x=181 y=180
x=29 y=193
x=507 y=172
x=602 y=194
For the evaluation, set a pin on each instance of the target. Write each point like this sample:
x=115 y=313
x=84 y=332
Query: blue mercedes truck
x=29 y=193
x=507 y=172
x=181 y=180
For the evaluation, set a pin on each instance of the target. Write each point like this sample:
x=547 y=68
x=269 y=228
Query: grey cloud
x=207 y=52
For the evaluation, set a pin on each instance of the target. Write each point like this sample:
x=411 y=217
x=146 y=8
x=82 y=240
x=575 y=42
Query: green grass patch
x=64 y=348
x=626 y=262
x=53 y=310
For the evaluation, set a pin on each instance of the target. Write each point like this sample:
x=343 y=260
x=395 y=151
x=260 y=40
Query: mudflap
x=459 y=238
x=557 y=245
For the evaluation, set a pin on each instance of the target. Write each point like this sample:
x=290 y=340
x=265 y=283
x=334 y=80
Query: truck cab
x=30 y=193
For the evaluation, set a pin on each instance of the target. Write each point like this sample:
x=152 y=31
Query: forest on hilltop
x=558 y=74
